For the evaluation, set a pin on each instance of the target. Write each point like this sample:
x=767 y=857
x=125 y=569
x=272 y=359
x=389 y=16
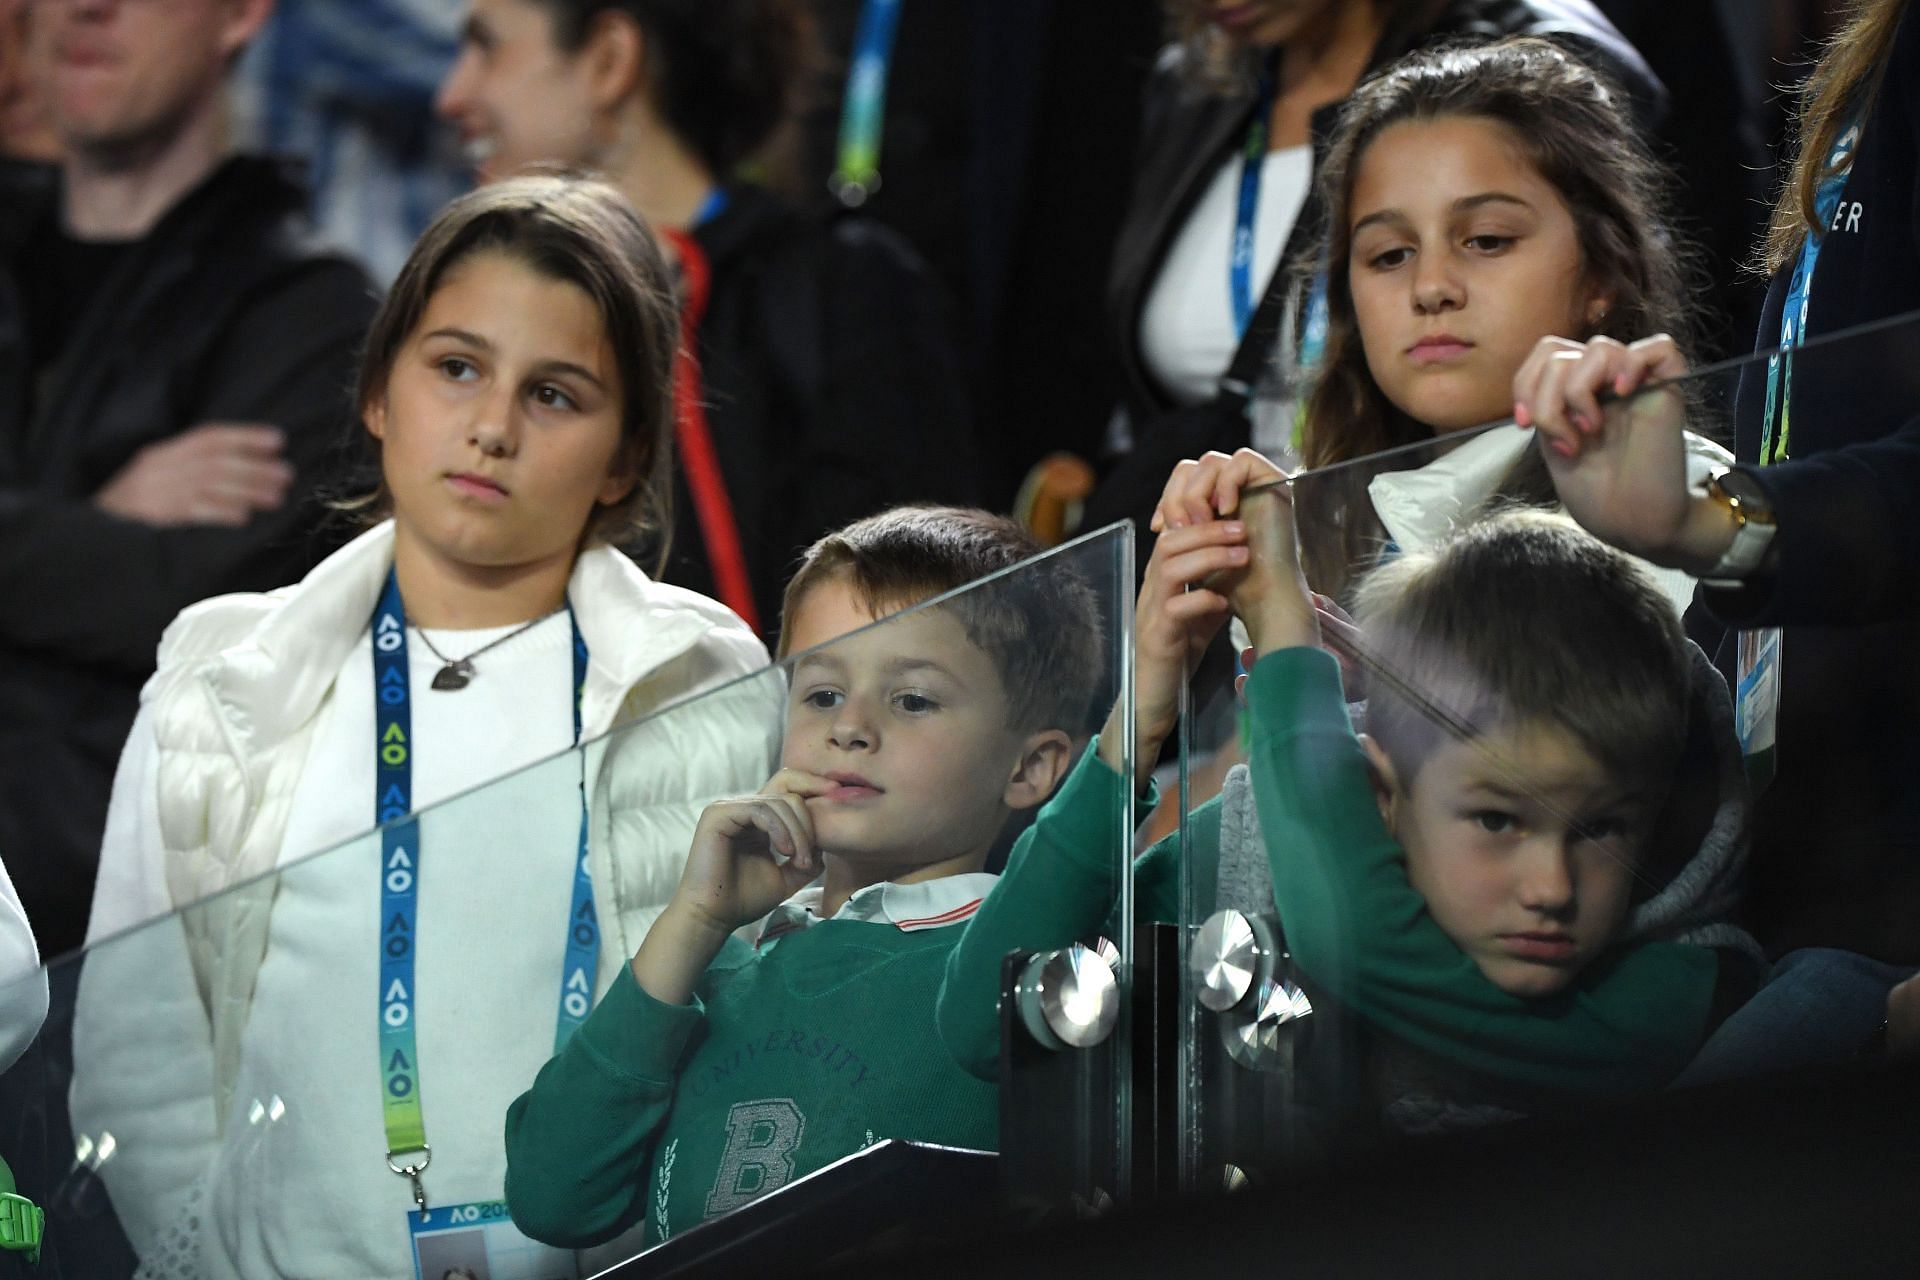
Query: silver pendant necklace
x=458 y=673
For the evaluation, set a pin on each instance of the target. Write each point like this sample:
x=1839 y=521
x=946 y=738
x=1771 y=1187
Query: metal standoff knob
x=1261 y=1035
x=1068 y=999
x=1231 y=955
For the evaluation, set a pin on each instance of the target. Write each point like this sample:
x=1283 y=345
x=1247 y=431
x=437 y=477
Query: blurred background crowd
x=922 y=248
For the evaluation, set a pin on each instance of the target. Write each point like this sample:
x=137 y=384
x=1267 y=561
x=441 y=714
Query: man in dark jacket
x=174 y=357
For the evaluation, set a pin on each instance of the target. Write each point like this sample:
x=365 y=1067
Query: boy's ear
x=374 y=417
x=1044 y=758
x=1386 y=783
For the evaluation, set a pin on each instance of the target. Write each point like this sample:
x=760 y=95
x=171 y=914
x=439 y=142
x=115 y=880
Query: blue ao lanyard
x=856 y=173
x=1775 y=425
x=399 y=891
x=1253 y=163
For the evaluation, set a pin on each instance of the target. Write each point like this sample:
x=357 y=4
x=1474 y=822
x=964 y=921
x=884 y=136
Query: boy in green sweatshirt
x=1462 y=875
x=714 y=1072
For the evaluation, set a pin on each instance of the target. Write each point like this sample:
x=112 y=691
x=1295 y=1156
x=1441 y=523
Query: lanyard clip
x=411 y=1172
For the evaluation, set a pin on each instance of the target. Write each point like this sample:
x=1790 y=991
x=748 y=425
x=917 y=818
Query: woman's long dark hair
x=1573 y=128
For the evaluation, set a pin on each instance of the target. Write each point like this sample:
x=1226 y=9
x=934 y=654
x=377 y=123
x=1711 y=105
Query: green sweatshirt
x=1356 y=925
x=792 y=1056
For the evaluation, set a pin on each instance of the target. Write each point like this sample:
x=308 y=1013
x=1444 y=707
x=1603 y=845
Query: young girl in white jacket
x=306 y=1075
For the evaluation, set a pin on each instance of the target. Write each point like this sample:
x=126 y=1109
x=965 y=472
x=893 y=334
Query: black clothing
x=228 y=311
x=1005 y=158
x=831 y=384
x=59 y=275
x=1713 y=62
x=1836 y=858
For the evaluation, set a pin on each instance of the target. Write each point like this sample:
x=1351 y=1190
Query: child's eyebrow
x=469 y=338
x=893 y=667
x=900 y=666
x=1467 y=203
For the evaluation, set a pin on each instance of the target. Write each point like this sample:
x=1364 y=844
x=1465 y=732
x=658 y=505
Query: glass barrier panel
x=314 y=1072
x=1524 y=817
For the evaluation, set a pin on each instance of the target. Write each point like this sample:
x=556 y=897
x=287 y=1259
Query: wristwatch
x=1739 y=492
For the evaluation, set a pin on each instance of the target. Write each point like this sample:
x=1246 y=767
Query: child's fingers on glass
x=1170 y=513
x=1195 y=605
x=1197 y=480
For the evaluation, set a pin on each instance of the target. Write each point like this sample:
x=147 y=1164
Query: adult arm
x=580 y=1141
x=1355 y=923
x=1847 y=543
x=103 y=588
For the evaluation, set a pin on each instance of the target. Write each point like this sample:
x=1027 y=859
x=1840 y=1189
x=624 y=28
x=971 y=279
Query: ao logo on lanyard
x=400 y=868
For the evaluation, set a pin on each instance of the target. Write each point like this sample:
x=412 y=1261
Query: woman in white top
x=305 y=1074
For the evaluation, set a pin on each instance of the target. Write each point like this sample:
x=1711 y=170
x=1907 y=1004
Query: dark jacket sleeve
x=1848 y=543
x=101 y=588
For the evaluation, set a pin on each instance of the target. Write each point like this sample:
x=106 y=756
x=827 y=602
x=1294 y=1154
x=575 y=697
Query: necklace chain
x=455 y=673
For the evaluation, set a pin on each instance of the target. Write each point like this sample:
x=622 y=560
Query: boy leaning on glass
x=714 y=1072
x=1491 y=876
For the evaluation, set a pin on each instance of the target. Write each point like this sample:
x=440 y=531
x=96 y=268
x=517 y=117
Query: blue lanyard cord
x=1253 y=163
x=856 y=173
x=1775 y=422
x=399 y=889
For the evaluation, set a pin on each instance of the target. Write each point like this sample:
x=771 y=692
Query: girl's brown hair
x=1841 y=89
x=1573 y=129
x=583 y=232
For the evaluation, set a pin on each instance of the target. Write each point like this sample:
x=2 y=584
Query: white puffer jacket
x=231 y=715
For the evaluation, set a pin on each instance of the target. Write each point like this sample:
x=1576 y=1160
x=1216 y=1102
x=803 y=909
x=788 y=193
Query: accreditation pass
x=479 y=1242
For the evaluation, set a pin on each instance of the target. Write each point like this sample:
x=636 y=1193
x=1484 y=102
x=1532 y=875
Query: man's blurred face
x=516 y=97
x=128 y=75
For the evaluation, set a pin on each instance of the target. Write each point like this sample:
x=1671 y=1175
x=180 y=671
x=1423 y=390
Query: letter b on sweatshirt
x=761 y=1139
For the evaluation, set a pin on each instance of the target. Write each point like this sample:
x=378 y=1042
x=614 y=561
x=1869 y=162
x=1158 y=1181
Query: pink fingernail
x=1521 y=416
x=1561 y=447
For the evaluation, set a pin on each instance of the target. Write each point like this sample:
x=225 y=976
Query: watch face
x=1746 y=487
